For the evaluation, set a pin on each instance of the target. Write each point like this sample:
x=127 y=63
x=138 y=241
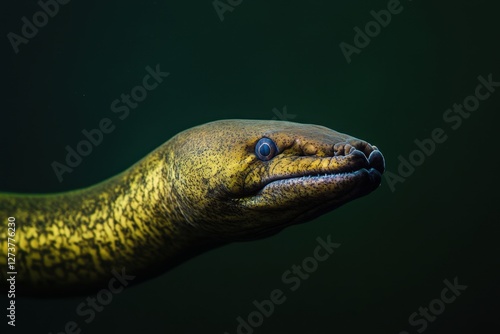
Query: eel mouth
x=298 y=188
x=349 y=163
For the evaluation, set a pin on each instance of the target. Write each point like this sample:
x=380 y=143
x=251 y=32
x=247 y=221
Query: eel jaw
x=303 y=196
x=358 y=173
x=371 y=167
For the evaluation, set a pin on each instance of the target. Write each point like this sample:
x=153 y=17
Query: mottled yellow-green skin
x=203 y=188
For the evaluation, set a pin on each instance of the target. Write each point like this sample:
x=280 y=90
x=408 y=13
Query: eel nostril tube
x=362 y=146
x=377 y=161
x=309 y=149
x=349 y=147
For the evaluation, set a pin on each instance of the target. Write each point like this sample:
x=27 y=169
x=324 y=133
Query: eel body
x=225 y=181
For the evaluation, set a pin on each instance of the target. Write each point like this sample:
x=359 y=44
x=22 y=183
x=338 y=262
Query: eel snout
x=363 y=151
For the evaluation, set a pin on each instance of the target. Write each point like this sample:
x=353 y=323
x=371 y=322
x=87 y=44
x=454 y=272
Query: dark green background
x=397 y=247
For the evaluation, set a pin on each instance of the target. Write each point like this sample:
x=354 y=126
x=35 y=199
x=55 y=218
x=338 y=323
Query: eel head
x=247 y=179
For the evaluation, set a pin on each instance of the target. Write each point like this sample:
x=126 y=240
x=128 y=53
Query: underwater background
x=431 y=223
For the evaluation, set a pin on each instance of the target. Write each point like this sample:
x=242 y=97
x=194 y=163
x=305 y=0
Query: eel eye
x=265 y=149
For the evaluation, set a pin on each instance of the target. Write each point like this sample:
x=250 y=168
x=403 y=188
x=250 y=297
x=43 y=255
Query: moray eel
x=224 y=181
